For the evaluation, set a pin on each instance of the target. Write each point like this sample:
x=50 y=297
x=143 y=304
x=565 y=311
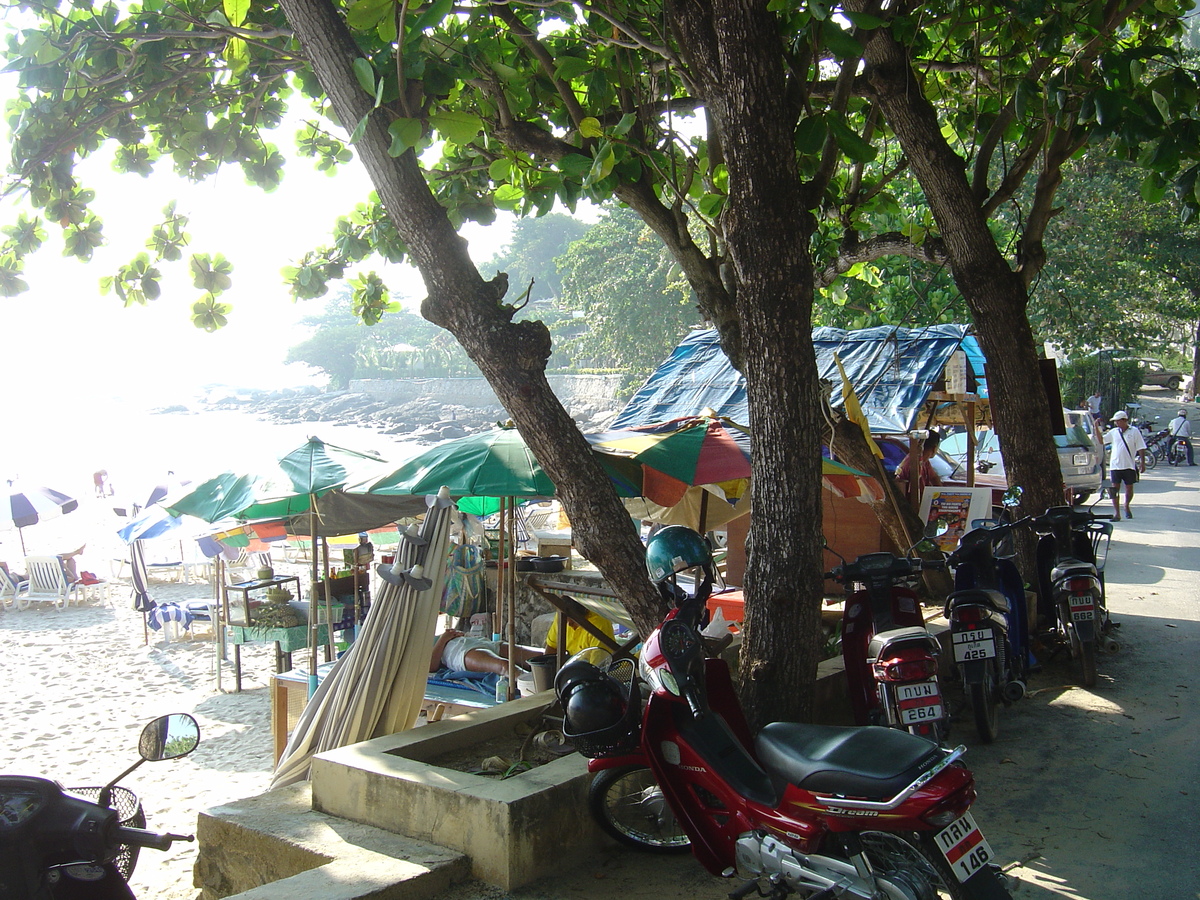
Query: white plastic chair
x=13 y=593
x=48 y=582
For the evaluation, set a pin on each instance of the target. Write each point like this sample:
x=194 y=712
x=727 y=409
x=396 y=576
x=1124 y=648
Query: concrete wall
x=573 y=390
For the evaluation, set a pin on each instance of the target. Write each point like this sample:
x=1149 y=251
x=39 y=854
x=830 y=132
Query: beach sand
x=77 y=685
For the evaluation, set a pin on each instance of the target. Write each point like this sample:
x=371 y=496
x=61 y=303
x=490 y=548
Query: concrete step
x=275 y=847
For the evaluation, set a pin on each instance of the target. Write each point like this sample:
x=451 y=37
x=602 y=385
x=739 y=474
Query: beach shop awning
x=891 y=369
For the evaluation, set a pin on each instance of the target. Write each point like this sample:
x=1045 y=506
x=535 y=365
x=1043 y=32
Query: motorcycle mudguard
x=1085 y=631
x=858 y=627
x=973 y=671
x=91 y=883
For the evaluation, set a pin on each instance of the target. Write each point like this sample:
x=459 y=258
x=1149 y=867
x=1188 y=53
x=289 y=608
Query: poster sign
x=957 y=507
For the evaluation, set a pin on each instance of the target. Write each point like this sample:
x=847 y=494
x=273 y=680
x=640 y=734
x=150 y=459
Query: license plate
x=964 y=846
x=919 y=702
x=979 y=643
x=1083 y=608
x=1080 y=459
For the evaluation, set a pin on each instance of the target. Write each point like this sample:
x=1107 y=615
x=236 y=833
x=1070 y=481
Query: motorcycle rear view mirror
x=1012 y=497
x=934 y=529
x=169 y=737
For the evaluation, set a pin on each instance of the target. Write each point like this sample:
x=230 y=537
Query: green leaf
x=359 y=128
x=237 y=54
x=711 y=205
x=575 y=165
x=457 y=127
x=863 y=20
x=571 y=67
x=235 y=11
x=433 y=15
x=841 y=43
x=1160 y=103
x=364 y=74
x=406 y=133
x=590 y=128
x=508 y=196
x=500 y=169
x=849 y=141
x=810 y=135
x=626 y=123
x=602 y=164
x=364 y=15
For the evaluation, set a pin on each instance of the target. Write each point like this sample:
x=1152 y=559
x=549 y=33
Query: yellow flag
x=853 y=410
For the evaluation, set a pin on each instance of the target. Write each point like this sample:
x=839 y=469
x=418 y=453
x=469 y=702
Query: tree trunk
x=511 y=355
x=995 y=294
x=733 y=52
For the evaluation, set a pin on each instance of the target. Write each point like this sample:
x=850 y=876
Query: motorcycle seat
x=979 y=596
x=869 y=762
x=1065 y=568
x=914 y=634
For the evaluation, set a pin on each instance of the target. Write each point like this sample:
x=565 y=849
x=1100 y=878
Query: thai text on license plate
x=978 y=643
x=964 y=846
x=1083 y=608
x=919 y=702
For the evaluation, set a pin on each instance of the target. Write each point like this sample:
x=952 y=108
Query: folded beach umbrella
x=27 y=505
x=377 y=686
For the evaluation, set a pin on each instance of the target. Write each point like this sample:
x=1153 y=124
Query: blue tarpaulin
x=891 y=369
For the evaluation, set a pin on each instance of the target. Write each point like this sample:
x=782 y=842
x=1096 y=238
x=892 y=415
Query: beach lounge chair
x=13 y=593
x=48 y=582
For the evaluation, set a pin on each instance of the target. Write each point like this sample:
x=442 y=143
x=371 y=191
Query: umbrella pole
x=703 y=511
x=313 y=603
x=219 y=573
x=501 y=574
x=328 y=607
x=512 y=606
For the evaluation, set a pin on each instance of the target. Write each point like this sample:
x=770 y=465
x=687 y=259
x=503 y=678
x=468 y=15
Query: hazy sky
x=72 y=342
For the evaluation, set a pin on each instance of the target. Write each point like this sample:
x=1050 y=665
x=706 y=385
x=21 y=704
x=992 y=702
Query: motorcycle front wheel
x=629 y=805
x=913 y=861
x=1153 y=457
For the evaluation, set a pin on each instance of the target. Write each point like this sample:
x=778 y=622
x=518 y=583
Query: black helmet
x=591 y=700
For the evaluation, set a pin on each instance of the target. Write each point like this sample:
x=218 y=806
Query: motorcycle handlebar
x=140 y=837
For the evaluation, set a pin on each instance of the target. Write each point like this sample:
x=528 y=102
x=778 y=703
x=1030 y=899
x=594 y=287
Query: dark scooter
x=989 y=628
x=890 y=658
x=1072 y=547
x=82 y=843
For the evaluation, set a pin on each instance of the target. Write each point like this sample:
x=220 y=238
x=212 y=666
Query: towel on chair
x=170 y=612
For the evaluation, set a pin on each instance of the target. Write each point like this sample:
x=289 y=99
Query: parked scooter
x=814 y=810
x=1072 y=546
x=890 y=658
x=988 y=624
x=82 y=843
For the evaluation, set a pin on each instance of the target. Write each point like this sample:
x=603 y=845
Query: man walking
x=1181 y=430
x=1126 y=461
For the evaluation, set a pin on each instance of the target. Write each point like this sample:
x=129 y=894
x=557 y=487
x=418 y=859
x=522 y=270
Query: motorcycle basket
x=624 y=735
x=129 y=811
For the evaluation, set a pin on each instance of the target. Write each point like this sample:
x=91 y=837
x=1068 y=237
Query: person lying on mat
x=462 y=653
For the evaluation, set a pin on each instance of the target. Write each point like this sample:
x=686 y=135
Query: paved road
x=1095 y=791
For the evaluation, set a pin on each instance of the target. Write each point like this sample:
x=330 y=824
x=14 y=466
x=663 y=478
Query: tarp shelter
x=893 y=370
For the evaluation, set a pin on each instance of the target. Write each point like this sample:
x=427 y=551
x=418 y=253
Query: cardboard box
x=555 y=546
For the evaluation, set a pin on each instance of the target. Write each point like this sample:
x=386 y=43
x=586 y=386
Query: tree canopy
x=807 y=140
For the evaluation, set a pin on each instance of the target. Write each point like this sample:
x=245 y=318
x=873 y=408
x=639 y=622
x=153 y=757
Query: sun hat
x=1120 y=414
x=1183 y=412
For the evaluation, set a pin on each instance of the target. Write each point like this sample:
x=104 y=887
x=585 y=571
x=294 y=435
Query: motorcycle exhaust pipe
x=1108 y=645
x=1013 y=691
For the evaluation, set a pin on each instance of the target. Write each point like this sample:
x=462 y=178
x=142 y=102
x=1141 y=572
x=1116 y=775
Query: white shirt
x=1093 y=403
x=1125 y=445
x=1181 y=427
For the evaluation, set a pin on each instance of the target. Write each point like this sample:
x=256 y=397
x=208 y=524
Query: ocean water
x=139 y=448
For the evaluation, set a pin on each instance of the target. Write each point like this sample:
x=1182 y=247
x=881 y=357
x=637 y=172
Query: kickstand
x=777 y=891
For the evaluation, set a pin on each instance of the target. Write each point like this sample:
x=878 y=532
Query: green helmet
x=674 y=549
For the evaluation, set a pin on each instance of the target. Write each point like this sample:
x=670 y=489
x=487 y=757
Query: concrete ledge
x=513 y=830
x=276 y=847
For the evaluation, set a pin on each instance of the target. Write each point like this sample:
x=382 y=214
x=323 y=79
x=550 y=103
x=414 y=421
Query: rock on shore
x=422 y=419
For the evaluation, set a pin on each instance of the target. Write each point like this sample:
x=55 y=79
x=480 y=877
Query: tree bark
x=734 y=55
x=511 y=355
x=995 y=294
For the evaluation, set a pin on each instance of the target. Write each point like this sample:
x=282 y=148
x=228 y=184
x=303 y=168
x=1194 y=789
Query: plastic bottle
x=502 y=689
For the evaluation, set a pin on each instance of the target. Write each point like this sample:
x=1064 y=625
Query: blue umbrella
x=30 y=505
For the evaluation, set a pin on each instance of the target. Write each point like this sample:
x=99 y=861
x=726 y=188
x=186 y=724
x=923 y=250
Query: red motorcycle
x=891 y=659
x=818 y=811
